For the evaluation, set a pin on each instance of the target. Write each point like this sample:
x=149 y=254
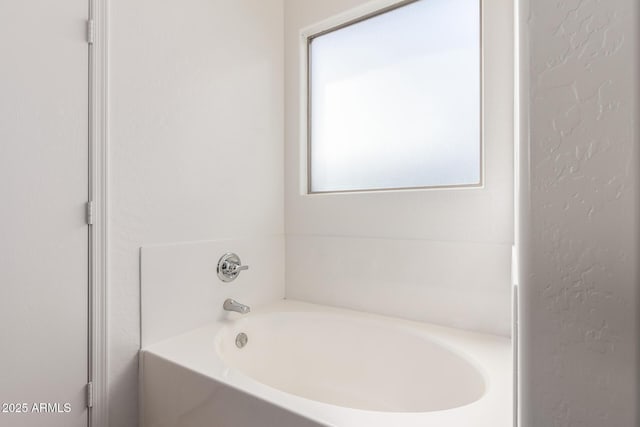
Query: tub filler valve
x=233 y=305
x=229 y=267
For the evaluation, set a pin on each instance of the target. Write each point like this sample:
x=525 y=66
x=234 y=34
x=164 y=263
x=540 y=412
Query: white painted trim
x=347 y=16
x=522 y=186
x=515 y=256
x=98 y=181
x=303 y=113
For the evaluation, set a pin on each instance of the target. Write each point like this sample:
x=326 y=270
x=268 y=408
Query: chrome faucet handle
x=229 y=267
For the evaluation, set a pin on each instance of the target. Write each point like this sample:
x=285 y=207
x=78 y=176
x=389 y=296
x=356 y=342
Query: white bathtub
x=309 y=365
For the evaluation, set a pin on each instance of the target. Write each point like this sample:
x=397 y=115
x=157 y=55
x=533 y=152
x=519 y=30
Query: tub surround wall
x=196 y=95
x=579 y=281
x=351 y=242
x=385 y=275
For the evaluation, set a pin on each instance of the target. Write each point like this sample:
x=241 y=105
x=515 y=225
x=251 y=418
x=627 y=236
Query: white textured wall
x=196 y=144
x=435 y=255
x=579 y=283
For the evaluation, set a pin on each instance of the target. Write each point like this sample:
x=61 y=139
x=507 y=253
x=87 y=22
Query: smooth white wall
x=196 y=120
x=579 y=229
x=434 y=255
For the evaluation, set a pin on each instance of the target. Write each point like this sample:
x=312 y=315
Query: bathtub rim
x=498 y=380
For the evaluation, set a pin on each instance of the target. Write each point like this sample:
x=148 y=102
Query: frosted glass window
x=394 y=100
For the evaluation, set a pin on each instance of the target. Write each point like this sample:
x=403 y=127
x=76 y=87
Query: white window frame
x=354 y=16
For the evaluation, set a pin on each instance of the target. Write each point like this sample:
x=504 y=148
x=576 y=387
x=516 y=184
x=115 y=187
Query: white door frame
x=98 y=237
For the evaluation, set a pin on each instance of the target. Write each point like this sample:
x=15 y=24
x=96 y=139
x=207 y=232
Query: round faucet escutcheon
x=229 y=267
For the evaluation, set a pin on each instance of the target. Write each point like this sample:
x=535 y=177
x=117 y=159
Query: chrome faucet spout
x=233 y=305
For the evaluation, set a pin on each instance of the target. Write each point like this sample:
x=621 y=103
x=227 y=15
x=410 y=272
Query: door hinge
x=90 y=394
x=89 y=213
x=91 y=31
